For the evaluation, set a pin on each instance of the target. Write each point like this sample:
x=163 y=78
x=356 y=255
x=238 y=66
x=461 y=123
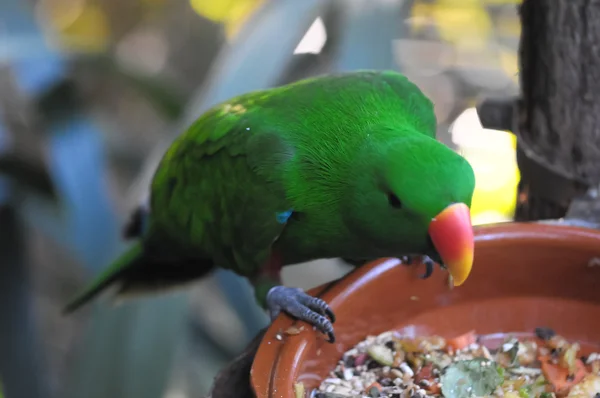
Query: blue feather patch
x=283 y=216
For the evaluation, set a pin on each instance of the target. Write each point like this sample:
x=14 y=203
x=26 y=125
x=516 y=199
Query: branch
x=234 y=380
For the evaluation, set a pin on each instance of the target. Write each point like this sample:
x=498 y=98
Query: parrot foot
x=427 y=261
x=300 y=305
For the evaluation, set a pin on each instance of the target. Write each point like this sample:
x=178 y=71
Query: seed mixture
x=544 y=365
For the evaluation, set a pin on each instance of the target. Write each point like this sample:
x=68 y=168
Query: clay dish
x=524 y=276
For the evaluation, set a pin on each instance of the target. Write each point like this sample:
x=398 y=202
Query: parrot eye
x=394 y=201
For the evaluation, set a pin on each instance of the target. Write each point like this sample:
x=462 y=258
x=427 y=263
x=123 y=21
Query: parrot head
x=413 y=196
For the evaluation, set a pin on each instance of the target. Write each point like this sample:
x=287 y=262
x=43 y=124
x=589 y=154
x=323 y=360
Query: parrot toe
x=427 y=261
x=429 y=264
x=302 y=306
x=317 y=304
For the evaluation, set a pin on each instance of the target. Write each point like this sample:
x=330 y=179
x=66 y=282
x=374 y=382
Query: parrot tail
x=136 y=272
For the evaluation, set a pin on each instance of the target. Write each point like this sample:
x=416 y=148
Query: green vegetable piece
x=540 y=381
x=475 y=377
x=546 y=395
x=374 y=392
x=513 y=354
x=501 y=371
x=524 y=392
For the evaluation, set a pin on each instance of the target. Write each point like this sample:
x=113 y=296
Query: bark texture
x=560 y=80
x=558 y=117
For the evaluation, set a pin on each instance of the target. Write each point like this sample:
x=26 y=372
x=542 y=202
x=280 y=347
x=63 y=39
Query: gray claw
x=301 y=306
x=429 y=264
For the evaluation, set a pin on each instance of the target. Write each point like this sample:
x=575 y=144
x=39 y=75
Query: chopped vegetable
x=435 y=389
x=475 y=377
x=589 y=387
x=569 y=358
x=381 y=354
x=560 y=377
x=508 y=355
x=544 y=365
x=463 y=341
x=374 y=389
x=524 y=392
x=424 y=374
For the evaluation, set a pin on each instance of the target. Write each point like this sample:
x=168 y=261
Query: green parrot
x=343 y=165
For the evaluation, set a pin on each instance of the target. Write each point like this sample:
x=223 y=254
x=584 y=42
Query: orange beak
x=452 y=235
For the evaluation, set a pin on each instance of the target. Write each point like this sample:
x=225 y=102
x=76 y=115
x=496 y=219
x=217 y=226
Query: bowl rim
x=267 y=375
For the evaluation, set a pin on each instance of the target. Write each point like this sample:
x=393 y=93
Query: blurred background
x=91 y=94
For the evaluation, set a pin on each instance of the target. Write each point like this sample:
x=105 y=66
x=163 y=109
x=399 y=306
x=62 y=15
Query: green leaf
x=525 y=392
x=475 y=377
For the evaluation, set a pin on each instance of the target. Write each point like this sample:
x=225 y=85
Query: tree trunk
x=558 y=116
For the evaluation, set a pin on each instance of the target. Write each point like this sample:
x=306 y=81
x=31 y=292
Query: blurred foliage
x=82 y=26
x=163 y=96
x=473 y=26
x=28 y=176
x=465 y=24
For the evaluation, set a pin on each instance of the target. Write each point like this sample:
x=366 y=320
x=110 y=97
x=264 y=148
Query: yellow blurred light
x=420 y=16
x=464 y=23
x=61 y=13
x=509 y=63
x=492 y=154
x=509 y=25
x=77 y=25
x=231 y=13
x=501 y=2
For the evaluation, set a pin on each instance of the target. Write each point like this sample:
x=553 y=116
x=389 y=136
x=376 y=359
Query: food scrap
x=292 y=330
x=299 y=390
x=543 y=365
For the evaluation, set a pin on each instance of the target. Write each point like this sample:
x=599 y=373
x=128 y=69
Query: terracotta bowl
x=524 y=276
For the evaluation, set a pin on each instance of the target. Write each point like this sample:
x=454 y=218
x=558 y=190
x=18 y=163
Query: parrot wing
x=219 y=187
